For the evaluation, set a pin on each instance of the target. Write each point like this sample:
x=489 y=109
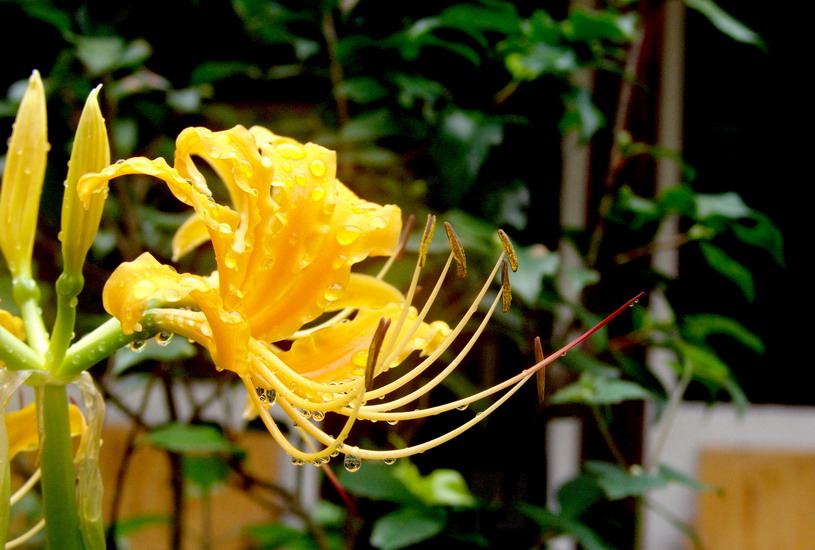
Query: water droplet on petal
x=291 y=151
x=360 y=358
x=333 y=292
x=352 y=463
x=215 y=153
x=143 y=289
x=317 y=167
x=225 y=228
x=347 y=234
x=317 y=193
x=378 y=222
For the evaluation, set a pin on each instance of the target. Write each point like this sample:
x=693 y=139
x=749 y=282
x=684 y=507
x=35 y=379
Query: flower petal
x=145 y=282
x=23 y=433
x=340 y=351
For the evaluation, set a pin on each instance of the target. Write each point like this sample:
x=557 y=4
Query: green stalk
x=57 y=465
x=68 y=288
x=101 y=343
x=27 y=297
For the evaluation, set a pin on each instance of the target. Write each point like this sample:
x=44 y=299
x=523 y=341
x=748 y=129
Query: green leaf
x=582 y=114
x=728 y=205
x=368 y=126
x=578 y=278
x=362 y=89
x=675 y=476
x=599 y=390
x=132 y=524
x=183 y=438
x=761 y=232
x=726 y=23
x=699 y=327
x=708 y=368
x=463 y=145
x=205 y=472
x=541 y=59
x=577 y=495
x=618 y=483
x=273 y=535
x=536 y=262
x=377 y=481
x=407 y=526
x=440 y=487
x=213 y=71
x=556 y=524
x=585 y=26
x=103 y=54
x=730 y=268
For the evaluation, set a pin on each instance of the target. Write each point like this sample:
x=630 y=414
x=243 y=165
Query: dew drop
x=378 y=222
x=334 y=454
x=317 y=167
x=296 y=461
x=338 y=261
x=389 y=461
x=137 y=346
x=352 y=463
x=318 y=415
x=360 y=358
x=225 y=228
x=143 y=289
x=215 y=153
x=172 y=295
x=462 y=407
x=305 y=413
x=393 y=422
x=347 y=234
x=164 y=337
x=291 y=151
x=286 y=166
x=317 y=193
x=266 y=396
x=300 y=179
x=333 y=292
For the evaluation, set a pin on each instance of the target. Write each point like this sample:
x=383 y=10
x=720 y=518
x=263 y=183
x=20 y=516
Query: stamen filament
x=25 y=487
x=25 y=537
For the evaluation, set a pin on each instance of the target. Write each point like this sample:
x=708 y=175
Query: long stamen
x=25 y=537
x=429 y=360
x=25 y=487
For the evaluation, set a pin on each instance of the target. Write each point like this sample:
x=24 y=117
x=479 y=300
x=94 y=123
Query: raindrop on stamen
x=352 y=463
x=318 y=415
x=389 y=461
x=296 y=461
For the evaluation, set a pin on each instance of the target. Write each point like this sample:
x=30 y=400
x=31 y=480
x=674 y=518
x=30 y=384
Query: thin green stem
x=103 y=342
x=15 y=354
x=27 y=297
x=58 y=481
x=670 y=415
x=602 y=425
x=68 y=288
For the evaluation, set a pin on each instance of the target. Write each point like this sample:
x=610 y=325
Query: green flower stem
x=27 y=297
x=103 y=342
x=57 y=465
x=68 y=287
x=15 y=354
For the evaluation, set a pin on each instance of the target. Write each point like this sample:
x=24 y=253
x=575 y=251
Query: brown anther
x=509 y=250
x=540 y=374
x=458 y=250
x=373 y=352
x=427 y=236
x=506 y=288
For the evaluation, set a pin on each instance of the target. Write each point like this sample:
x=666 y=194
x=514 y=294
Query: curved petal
x=192 y=234
x=145 y=282
x=340 y=352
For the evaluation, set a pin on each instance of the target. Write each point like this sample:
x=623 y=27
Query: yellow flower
x=284 y=251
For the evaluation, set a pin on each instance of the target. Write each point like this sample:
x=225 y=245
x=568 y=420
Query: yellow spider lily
x=284 y=251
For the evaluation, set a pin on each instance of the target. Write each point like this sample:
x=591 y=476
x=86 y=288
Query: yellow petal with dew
x=365 y=291
x=90 y=153
x=23 y=177
x=145 y=282
x=23 y=433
